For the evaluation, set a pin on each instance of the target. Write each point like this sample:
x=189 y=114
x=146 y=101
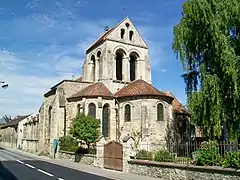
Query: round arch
x=99 y=53
x=120 y=48
x=92 y=109
x=92 y=57
x=125 y=103
x=134 y=52
x=160 y=111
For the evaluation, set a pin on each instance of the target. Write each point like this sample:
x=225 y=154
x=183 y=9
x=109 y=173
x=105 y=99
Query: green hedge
x=144 y=154
x=207 y=155
x=68 y=143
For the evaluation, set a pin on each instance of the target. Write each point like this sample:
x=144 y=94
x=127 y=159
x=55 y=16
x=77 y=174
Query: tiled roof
x=139 y=88
x=177 y=106
x=79 y=79
x=101 y=39
x=95 y=90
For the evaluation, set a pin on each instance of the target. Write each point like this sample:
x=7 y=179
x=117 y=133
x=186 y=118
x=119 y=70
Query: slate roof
x=14 y=121
x=177 y=106
x=139 y=88
x=95 y=90
x=2 y=120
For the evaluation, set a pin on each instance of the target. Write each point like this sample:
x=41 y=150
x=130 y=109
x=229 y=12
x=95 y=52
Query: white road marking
x=60 y=179
x=44 y=172
x=30 y=166
x=20 y=161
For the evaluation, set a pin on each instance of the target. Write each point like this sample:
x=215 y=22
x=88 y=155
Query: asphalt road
x=18 y=167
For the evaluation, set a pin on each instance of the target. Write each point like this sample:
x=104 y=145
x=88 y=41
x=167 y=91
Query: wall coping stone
x=29 y=139
x=210 y=169
x=73 y=153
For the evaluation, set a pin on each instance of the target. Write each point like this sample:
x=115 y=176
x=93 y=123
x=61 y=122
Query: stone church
x=116 y=88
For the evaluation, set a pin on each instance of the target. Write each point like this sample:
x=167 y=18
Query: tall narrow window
x=119 y=57
x=93 y=67
x=133 y=68
x=92 y=110
x=130 y=35
x=127 y=113
x=160 y=112
x=122 y=33
x=105 y=120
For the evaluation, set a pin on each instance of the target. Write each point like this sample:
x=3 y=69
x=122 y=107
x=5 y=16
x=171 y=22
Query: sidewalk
x=85 y=168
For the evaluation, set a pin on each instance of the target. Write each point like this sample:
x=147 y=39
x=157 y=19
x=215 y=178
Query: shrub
x=163 y=156
x=208 y=154
x=144 y=154
x=85 y=128
x=68 y=143
x=232 y=159
x=82 y=150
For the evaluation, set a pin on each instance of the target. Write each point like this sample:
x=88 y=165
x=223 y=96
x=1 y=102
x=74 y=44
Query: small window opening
x=130 y=35
x=127 y=113
x=122 y=33
x=127 y=25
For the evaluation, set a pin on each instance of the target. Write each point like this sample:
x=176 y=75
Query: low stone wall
x=8 y=144
x=174 y=171
x=81 y=158
x=66 y=155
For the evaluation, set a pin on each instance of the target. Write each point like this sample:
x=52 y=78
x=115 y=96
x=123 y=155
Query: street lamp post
x=4 y=85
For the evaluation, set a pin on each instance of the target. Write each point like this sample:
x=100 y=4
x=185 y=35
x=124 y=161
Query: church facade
x=116 y=88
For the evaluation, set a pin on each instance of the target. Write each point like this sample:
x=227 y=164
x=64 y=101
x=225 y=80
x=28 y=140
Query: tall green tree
x=85 y=128
x=207 y=41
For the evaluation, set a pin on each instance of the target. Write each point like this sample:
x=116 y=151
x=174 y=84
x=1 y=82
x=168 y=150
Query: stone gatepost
x=99 y=160
x=128 y=144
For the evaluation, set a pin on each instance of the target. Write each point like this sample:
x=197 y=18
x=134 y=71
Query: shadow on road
x=5 y=174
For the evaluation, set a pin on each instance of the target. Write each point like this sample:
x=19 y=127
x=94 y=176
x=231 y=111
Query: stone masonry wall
x=181 y=172
x=153 y=131
x=87 y=159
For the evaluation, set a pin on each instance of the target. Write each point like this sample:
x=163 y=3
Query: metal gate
x=113 y=156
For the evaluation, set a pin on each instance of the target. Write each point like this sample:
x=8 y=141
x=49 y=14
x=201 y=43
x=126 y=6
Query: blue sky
x=44 y=41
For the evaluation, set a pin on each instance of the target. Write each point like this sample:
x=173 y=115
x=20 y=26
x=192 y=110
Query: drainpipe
x=117 y=121
x=64 y=119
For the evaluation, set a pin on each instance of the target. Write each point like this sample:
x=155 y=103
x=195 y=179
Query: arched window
x=92 y=110
x=133 y=59
x=127 y=112
x=130 y=35
x=99 y=54
x=105 y=120
x=78 y=109
x=122 y=33
x=49 y=119
x=119 y=59
x=93 y=67
x=160 y=112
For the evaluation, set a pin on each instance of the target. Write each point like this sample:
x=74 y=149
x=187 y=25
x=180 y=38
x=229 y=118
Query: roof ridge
x=139 y=87
x=105 y=34
x=97 y=89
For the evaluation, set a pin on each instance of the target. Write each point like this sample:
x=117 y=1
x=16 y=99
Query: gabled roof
x=103 y=37
x=14 y=121
x=139 y=88
x=177 y=106
x=95 y=90
x=54 y=88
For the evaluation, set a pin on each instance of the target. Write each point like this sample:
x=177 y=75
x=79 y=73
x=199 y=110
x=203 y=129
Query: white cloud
x=47 y=47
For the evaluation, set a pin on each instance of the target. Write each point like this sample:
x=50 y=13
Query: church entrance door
x=113 y=156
